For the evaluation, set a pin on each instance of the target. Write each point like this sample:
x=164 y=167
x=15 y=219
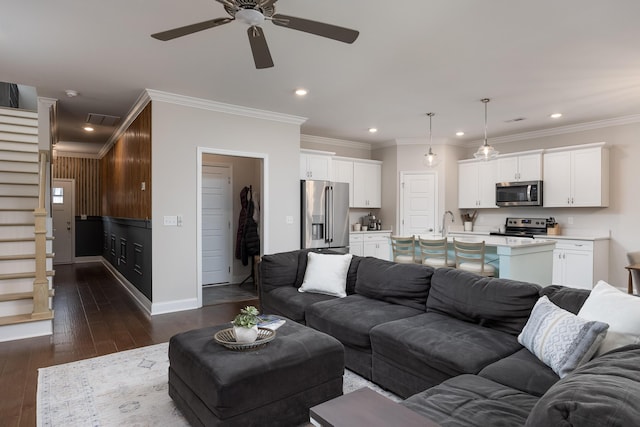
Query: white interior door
x=216 y=224
x=62 y=202
x=418 y=194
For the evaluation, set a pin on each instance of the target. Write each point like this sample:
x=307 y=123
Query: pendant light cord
x=486 y=101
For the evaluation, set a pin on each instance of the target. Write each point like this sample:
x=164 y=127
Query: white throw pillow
x=562 y=340
x=326 y=274
x=620 y=310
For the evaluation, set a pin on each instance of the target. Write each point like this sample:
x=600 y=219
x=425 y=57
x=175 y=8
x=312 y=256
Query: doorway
x=63 y=216
x=418 y=203
x=246 y=170
x=216 y=224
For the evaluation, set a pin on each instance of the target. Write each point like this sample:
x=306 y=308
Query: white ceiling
x=532 y=58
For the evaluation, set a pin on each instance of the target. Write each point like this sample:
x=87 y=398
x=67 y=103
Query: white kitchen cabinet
x=367 y=184
x=315 y=165
x=580 y=263
x=577 y=177
x=342 y=171
x=520 y=167
x=373 y=244
x=477 y=184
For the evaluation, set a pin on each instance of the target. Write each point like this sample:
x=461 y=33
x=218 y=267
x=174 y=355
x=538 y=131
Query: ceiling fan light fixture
x=251 y=17
x=486 y=152
x=430 y=159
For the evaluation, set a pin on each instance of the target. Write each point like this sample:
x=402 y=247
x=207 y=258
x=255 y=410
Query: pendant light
x=430 y=158
x=486 y=152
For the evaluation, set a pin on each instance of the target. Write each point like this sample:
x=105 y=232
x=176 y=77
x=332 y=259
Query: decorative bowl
x=226 y=338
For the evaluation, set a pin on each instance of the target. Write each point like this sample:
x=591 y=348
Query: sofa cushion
x=437 y=341
x=302 y=267
x=470 y=400
x=570 y=299
x=288 y=302
x=405 y=284
x=350 y=319
x=619 y=310
x=522 y=371
x=326 y=274
x=499 y=304
x=561 y=339
x=277 y=270
x=602 y=392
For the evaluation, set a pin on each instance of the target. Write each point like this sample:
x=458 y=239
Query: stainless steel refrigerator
x=325 y=215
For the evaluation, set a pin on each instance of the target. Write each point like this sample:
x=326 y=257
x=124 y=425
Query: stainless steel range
x=524 y=227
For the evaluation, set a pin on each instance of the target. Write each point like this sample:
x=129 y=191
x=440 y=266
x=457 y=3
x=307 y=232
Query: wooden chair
x=433 y=252
x=634 y=273
x=470 y=257
x=404 y=249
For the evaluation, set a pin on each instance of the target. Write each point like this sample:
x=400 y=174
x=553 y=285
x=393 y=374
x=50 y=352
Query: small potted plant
x=245 y=325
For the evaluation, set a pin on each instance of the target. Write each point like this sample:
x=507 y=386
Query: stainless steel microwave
x=524 y=193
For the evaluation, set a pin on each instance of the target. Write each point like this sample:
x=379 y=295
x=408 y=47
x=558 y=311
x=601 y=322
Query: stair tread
x=21 y=257
x=17 y=296
x=21 y=239
x=23 y=318
x=23 y=275
x=17 y=224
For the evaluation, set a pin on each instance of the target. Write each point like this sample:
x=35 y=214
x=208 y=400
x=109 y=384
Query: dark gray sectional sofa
x=446 y=340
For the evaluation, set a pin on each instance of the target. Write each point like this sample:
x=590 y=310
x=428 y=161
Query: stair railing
x=41 y=284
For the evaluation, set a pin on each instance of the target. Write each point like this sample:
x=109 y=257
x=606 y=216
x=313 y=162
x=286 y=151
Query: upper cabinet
x=520 y=167
x=342 y=171
x=477 y=184
x=315 y=165
x=367 y=184
x=577 y=176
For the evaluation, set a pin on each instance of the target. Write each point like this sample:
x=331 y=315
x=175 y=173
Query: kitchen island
x=516 y=258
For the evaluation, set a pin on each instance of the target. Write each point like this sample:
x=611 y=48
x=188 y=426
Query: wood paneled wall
x=125 y=168
x=86 y=172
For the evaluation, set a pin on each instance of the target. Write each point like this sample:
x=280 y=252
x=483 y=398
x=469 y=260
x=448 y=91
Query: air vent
x=517 y=119
x=102 y=119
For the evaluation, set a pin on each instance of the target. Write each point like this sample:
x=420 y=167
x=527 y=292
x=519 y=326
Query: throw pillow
x=562 y=340
x=326 y=274
x=620 y=310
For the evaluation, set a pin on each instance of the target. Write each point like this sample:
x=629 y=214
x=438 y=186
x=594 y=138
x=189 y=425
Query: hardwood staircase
x=26 y=258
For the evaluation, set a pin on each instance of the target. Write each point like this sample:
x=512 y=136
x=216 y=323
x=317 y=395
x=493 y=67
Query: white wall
x=621 y=217
x=178 y=131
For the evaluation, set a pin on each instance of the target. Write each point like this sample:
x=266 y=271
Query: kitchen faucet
x=444 y=216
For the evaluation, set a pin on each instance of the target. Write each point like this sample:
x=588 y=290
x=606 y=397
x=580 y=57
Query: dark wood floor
x=94 y=316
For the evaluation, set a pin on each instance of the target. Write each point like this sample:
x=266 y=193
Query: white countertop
x=567 y=234
x=370 y=232
x=497 y=241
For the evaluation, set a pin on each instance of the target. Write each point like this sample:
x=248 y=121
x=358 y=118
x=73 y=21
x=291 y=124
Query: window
x=58 y=195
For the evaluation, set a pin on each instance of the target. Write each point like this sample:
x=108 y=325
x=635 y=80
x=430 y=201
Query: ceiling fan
x=254 y=13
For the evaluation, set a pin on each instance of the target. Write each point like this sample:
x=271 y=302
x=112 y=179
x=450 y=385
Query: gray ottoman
x=272 y=386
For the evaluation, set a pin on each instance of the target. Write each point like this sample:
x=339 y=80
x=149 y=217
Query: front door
x=418 y=199
x=62 y=202
x=216 y=224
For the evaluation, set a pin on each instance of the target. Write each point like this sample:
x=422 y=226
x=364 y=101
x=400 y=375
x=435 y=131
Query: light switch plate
x=171 y=220
x=289 y=219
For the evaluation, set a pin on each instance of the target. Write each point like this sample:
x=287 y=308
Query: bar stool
x=433 y=252
x=470 y=257
x=634 y=270
x=404 y=249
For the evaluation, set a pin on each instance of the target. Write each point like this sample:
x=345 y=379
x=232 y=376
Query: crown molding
x=135 y=110
x=221 y=107
x=78 y=154
x=561 y=130
x=334 y=142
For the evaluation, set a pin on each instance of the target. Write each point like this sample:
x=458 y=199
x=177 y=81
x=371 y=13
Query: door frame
x=73 y=215
x=403 y=174
x=264 y=203
x=229 y=202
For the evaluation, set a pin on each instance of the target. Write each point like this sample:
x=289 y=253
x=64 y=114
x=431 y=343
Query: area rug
x=128 y=388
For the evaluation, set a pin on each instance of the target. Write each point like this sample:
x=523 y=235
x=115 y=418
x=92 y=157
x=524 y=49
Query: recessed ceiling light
x=373 y=130
x=556 y=115
x=71 y=93
x=460 y=133
x=88 y=128
x=301 y=92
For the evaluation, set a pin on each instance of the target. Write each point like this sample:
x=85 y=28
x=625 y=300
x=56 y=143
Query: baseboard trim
x=22 y=331
x=84 y=259
x=174 y=306
x=138 y=297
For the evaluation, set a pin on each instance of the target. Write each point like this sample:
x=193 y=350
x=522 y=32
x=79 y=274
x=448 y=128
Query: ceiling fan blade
x=190 y=29
x=318 y=28
x=259 y=48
